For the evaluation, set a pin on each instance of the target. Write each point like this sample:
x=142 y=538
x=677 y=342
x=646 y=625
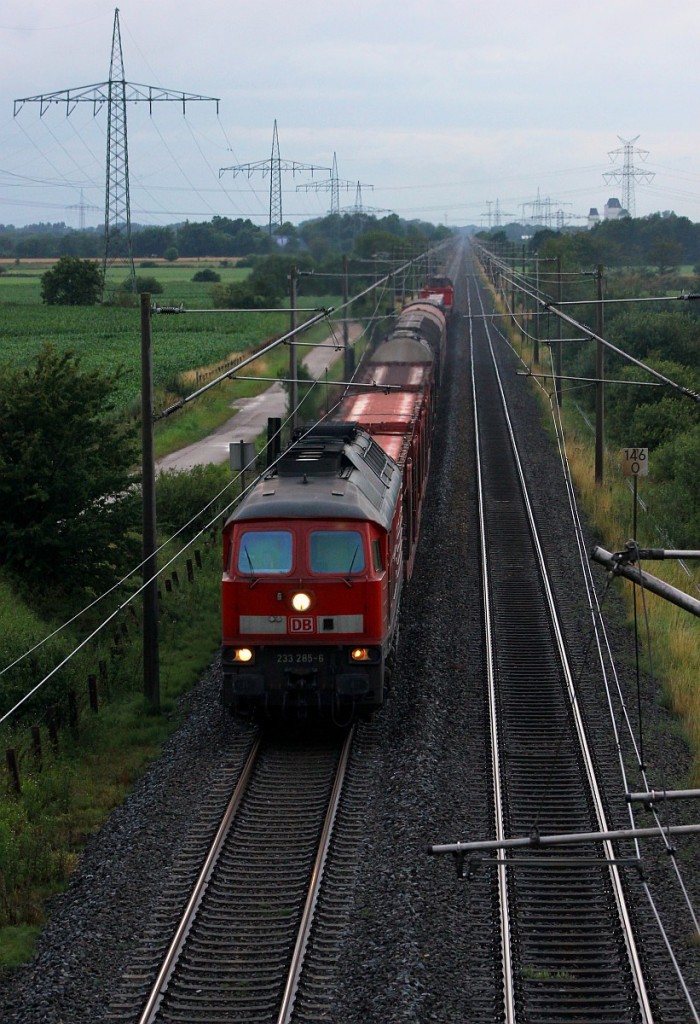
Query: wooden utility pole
x=536 y=338
x=557 y=343
x=293 y=386
x=348 y=361
x=151 y=661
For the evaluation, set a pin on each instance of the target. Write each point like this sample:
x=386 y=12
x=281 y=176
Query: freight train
x=316 y=555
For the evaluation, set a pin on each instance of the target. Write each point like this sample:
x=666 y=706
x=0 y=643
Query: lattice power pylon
x=629 y=173
x=82 y=207
x=332 y=185
x=115 y=93
x=274 y=167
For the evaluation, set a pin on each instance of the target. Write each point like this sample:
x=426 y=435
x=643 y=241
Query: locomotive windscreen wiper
x=250 y=563
x=349 y=572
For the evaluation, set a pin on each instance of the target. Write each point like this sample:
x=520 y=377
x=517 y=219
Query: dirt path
x=251 y=415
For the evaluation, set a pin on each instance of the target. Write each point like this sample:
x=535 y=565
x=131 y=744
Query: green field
x=110 y=336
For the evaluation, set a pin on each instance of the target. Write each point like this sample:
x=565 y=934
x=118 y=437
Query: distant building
x=593 y=217
x=613 y=210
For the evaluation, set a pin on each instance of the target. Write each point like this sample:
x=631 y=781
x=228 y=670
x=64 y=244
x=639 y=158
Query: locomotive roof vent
x=319 y=452
x=347 y=475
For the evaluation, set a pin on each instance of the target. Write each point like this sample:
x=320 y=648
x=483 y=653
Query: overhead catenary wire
x=550 y=306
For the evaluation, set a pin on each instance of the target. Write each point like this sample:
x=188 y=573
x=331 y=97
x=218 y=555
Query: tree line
x=221 y=237
x=661 y=241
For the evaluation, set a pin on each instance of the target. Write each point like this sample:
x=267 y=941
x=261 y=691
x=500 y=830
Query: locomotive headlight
x=301 y=602
x=243 y=654
x=359 y=654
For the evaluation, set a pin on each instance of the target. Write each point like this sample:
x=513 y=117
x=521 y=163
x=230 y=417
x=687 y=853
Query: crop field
x=110 y=336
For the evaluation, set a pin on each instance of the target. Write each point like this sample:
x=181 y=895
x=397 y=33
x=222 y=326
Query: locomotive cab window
x=265 y=551
x=336 y=552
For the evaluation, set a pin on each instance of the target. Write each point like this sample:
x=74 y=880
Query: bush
x=71 y=282
x=206 y=275
x=140 y=284
x=181 y=496
x=171 y=254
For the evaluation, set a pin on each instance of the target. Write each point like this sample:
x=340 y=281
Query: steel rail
x=508 y=986
x=171 y=957
x=296 y=967
x=616 y=880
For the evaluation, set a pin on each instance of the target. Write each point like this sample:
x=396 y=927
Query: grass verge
x=70 y=794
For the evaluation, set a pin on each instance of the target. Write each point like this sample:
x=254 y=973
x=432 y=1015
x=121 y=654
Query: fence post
x=92 y=690
x=72 y=710
x=13 y=767
x=36 y=745
x=53 y=727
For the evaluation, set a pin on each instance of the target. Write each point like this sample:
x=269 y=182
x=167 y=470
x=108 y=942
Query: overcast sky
x=450 y=117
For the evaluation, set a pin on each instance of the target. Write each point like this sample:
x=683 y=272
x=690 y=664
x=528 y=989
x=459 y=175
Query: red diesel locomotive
x=439 y=287
x=316 y=554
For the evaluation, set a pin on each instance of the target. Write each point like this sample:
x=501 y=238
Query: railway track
x=567 y=944
x=238 y=950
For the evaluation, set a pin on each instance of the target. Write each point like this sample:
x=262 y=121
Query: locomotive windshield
x=336 y=552
x=265 y=551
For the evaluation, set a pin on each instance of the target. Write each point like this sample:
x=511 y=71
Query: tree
x=665 y=254
x=67 y=508
x=72 y=282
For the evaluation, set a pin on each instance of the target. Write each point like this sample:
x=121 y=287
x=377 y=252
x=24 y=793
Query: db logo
x=301 y=624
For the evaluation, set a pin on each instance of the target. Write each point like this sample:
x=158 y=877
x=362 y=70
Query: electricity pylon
x=82 y=207
x=274 y=167
x=332 y=185
x=629 y=173
x=115 y=93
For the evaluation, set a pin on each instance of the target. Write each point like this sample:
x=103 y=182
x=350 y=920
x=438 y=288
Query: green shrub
x=206 y=275
x=182 y=495
x=140 y=284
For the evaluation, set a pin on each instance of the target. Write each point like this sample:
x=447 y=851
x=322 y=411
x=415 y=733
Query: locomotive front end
x=306 y=592
x=304 y=612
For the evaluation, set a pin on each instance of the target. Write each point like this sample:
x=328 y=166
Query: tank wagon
x=316 y=555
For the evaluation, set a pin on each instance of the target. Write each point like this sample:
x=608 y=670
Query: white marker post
x=635 y=463
x=241 y=454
